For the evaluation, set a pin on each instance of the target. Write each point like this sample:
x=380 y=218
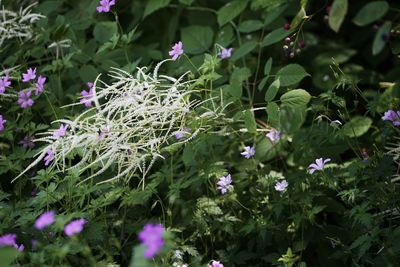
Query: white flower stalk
x=134 y=117
x=17 y=24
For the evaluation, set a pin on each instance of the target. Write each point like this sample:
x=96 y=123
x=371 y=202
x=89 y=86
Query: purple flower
x=60 y=132
x=215 y=264
x=248 y=152
x=182 y=134
x=224 y=184
x=273 y=136
x=45 y=219
x=152 y=238
x=8 y=240
x=2 y=122
x=364 y=154
x=40 y=84
x=74 y=227
x=4 y=83
x=20 y=247
x=25 y=100
x=27 y=142
x=393 y=116
x=225 y=53
x=176 y=51
x=281 y=186
x=318 y=165
x=87 y=96
x=49 y=157
x=29 y=75
x=105 y=5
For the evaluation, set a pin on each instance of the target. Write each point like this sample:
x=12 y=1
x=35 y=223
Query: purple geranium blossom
x=393 y=116
x=318 y=165
x=74 y=227
x=224 y=184
x=60 y=132
x=24 y=99
x=27 y=142
x=273 y=136
x=281 y=186
x=248 y=152
x=29 y=75
x=176 y=51
x=225 y=53
x=4 y=83
x=105 y=5
x=181 y=134
x=45 y=219
x=215 y=264
x=2 y=122
x=8 y=240
x=40 y=84
x=152 y=238
x=49 y=157
x=87 y=96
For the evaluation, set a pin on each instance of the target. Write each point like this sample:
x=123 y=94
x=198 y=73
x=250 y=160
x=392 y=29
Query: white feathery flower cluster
x=132 y=119
x=17 y=24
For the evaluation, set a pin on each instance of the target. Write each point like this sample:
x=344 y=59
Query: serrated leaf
x=371 y=12
x=296 y=98
x=154 y=5
x=275 y=36
x=357 y=126
x=337 y=14
x=291 y=74
x=272 y=90
x=381 y=38
x=196 y=39
x=230 y=11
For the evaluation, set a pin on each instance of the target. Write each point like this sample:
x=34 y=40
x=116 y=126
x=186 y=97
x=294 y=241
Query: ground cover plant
x=199 y=133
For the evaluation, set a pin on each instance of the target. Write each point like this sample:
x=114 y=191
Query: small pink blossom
x=281 y=186
x=40 y=84
x=152 y=238
x=225 y=53
x=60 y=132
x=105 y=5
x=215 y=264
x=248 y=152
x=49 y=157
x=176 y=51
x=45 y=219
x=29 y=75
x=4 y=83
x=273 y=136
x=2 y=122
x=224 y=184
x=87 y=96
x=74 y=227
x=318 y=165
x=24 y=99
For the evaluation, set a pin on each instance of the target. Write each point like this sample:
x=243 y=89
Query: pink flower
x=87 y=96
x=225 y=53
x=2 y=122
x=74 y=227
x=25 y=100
x=105 y=5
x=60 y=132
x=215 y=264
x=4 y=83
x=318 y=165
x=176 y=51
x=8 y=240
x=29 y=75
x=152 y=238
x=224 y=184
x=40 y=84
x=49 y=157
x=45 y=219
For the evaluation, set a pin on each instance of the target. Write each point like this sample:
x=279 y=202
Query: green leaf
x=230 y=11
x=275 y=36
x=337 y=14
x=196 y=39
x=291 y=74
x=237 y=78
x=244 y=50
x=186 y=2
x=371 y=12
x=154 y=5
x=357 y=126
x=273 y=114
x=272 y=90
x=250 y=121
x=381 y=38
x=225 y=35
x=7 y=256
x=268 y=66
x=250 y=26
x=88 y=73
x=104 y=31
x=296 y=98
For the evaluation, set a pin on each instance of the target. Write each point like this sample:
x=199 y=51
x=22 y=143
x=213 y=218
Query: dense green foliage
x=340 y=64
